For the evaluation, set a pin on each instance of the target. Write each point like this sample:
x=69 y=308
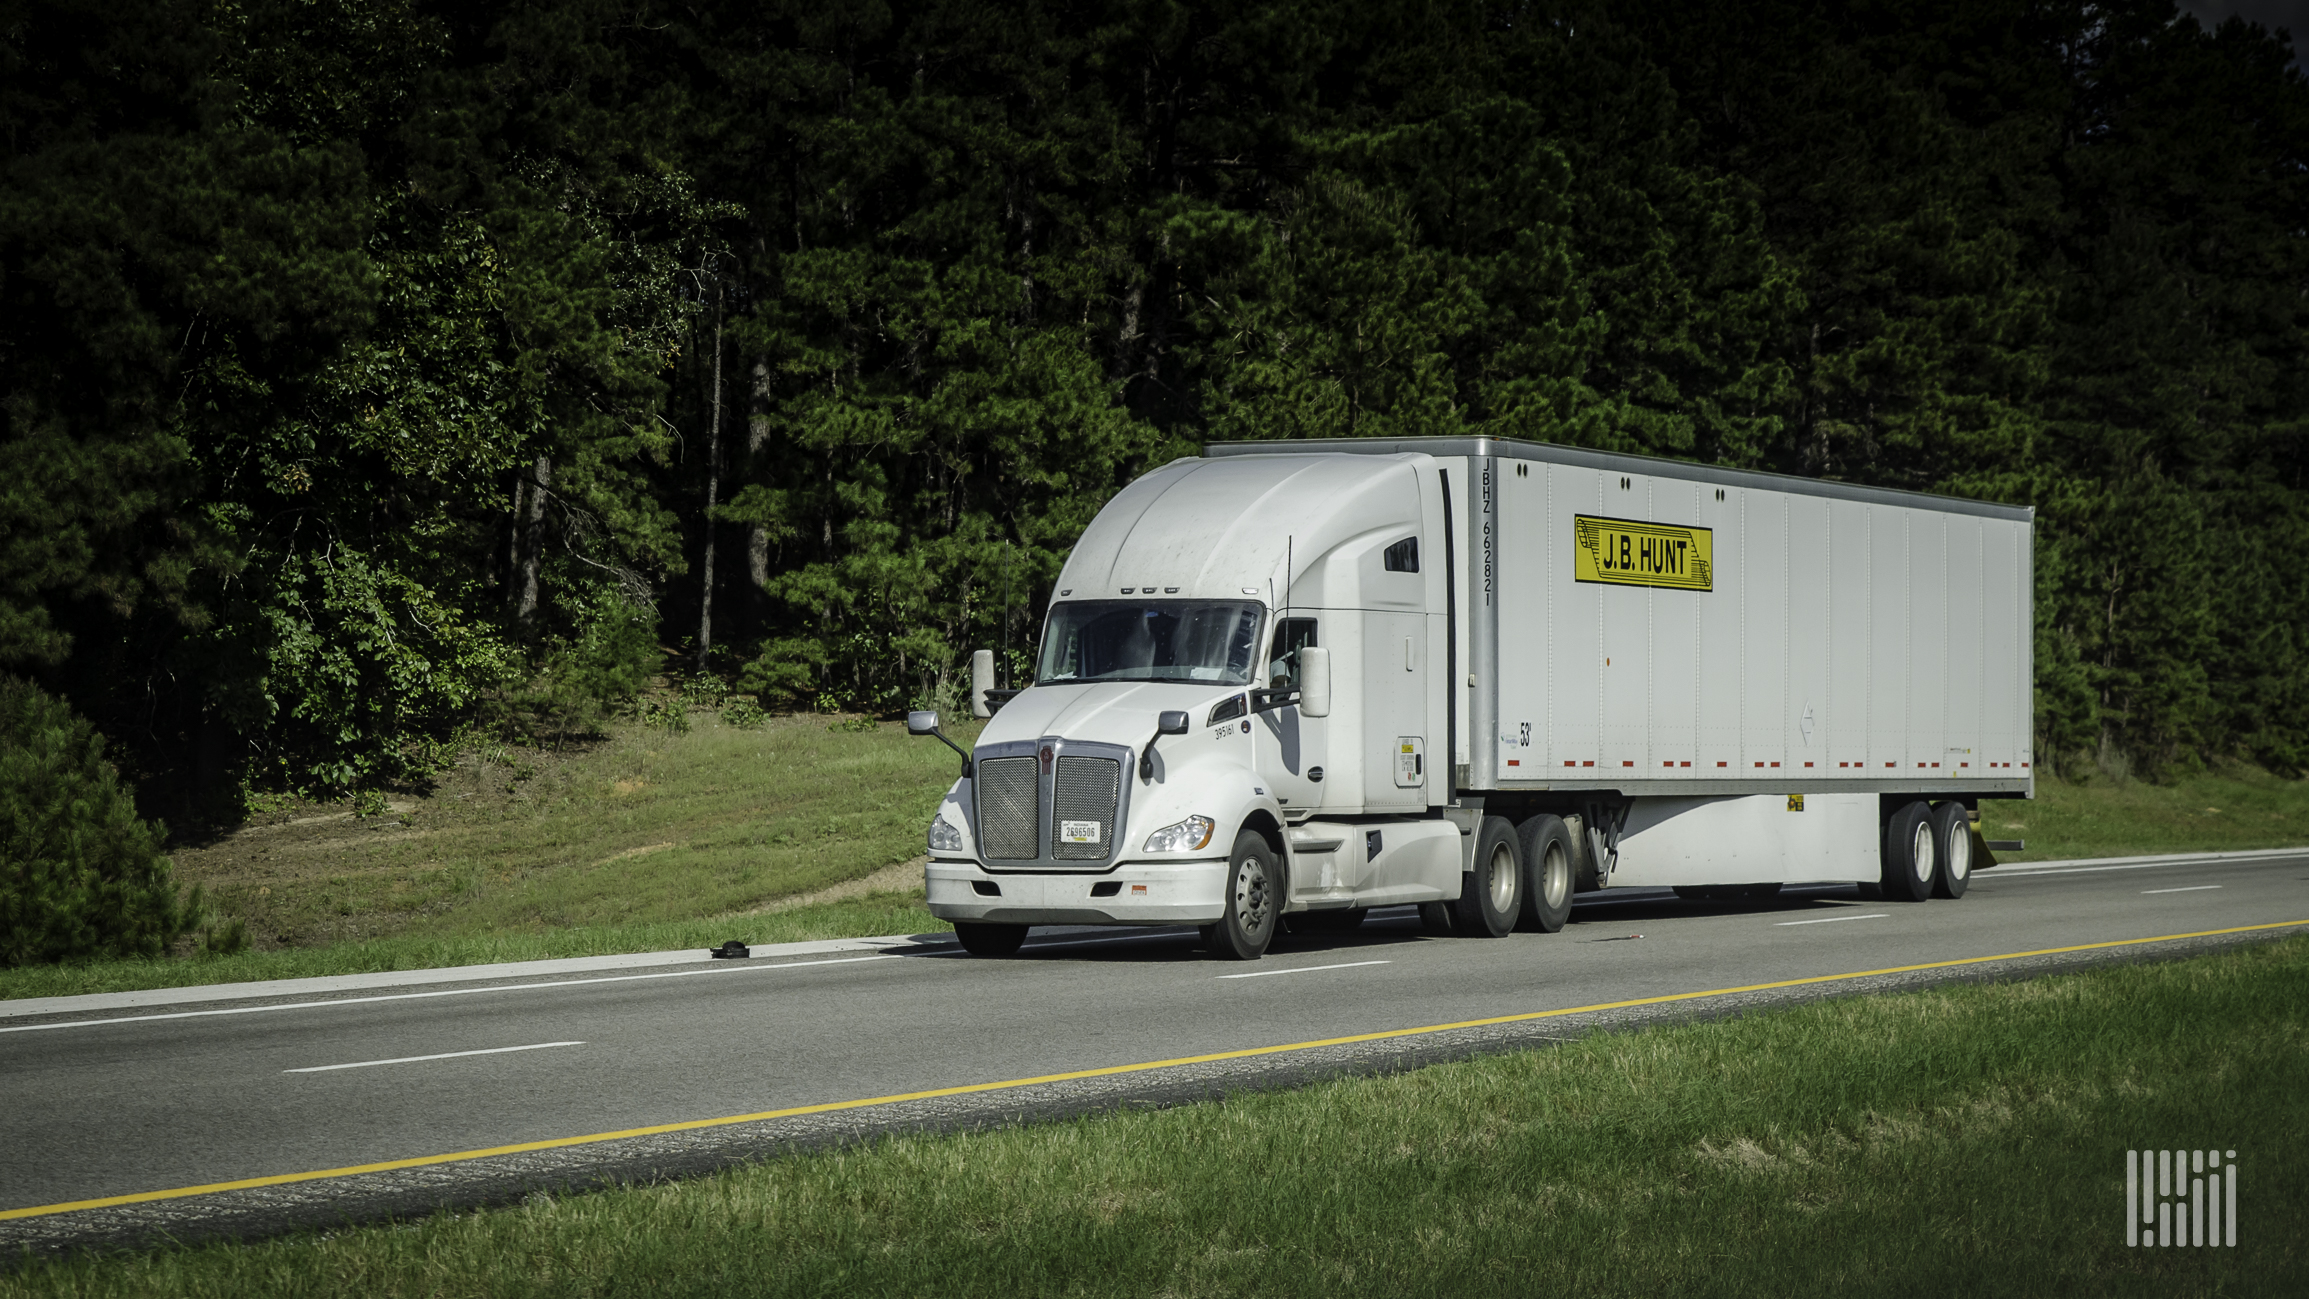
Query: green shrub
x=858 y=725
x=81 y=875
x=668 y=715
x=743 y=713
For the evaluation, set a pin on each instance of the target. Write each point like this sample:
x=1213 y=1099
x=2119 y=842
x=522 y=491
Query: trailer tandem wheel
x=1952 y=840
x=1911 y=862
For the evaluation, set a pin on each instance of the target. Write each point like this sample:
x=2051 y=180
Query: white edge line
x=1303 y=969
x=2193 y=859
x=413 y=1059
x=2193 y=888
x=444 y=992
x=2003 y=873
x=1829 y=920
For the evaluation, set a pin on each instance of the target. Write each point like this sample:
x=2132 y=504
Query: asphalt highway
x=245 y=1116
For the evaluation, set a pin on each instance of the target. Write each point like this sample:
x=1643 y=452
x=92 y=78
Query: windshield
x=1197 y=641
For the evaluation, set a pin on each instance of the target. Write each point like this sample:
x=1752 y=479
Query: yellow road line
x=692 y=1125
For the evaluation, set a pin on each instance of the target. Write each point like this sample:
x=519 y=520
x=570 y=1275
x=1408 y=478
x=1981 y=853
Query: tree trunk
x=713 y=495
x=758 y=533
x=531 y=543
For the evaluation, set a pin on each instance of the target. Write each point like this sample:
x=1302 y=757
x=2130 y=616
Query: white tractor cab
x=1271 y=683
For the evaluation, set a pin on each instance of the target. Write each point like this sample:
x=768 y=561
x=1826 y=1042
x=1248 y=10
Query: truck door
x=1290 y=745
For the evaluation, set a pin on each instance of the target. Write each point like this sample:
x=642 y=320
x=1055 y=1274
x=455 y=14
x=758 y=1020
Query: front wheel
x=989 y=940
x=1254 y=901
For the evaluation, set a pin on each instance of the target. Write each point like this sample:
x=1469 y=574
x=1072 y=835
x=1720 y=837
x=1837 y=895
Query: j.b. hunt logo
x=2180 y=1197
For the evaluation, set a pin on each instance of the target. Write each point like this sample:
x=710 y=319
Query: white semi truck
x=1306 y=679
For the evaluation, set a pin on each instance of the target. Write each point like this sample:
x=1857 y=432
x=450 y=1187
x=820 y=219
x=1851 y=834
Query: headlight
x=1190 y=835
x=944 y=837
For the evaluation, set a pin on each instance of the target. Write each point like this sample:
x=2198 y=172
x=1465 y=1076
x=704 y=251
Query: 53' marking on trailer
x=1626 y=552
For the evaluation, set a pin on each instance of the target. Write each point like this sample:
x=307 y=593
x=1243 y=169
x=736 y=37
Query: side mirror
x=981 y=681
x=1314 y=682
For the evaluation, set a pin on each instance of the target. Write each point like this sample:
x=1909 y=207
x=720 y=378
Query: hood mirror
x=925 y=722
x=1173 y=721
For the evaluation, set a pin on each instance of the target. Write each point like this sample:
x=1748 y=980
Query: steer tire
x=989 y=940
x=1253 y=901
x=1911 y=856
x=1491 y=894
x=1952 y=840
x=1548 y=857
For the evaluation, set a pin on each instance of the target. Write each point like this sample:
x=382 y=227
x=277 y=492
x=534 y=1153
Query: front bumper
x=1144 y=893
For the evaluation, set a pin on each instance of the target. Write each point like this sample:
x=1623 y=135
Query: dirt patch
x=901 y=877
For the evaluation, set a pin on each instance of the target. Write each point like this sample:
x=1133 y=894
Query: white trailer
x=1311 y=678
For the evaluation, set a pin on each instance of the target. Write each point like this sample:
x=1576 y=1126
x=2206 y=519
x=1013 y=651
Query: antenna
x=1006 y=613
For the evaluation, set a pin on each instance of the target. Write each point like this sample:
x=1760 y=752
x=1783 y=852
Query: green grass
x=2237 y=809
x=1966 y=1140
x=645 y=841
x=872 y=915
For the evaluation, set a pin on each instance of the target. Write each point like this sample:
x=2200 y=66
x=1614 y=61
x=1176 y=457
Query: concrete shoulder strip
x=103 y=1001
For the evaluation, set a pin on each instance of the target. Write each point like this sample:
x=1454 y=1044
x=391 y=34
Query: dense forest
x=375 y=369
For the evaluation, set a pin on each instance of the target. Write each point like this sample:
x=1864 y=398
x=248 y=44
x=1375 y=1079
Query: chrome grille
x=1007 y=799
x=1084 y=796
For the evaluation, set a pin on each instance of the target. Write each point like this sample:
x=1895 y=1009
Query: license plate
x=1078 y=831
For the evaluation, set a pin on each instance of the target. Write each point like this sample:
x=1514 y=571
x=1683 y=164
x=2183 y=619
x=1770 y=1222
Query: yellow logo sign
x=1628 y=553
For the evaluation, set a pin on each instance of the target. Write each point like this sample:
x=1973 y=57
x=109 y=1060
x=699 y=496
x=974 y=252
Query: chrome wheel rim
x=1502 y=880
x=1555 y=876
x=1921 y=852
x=1251 y=902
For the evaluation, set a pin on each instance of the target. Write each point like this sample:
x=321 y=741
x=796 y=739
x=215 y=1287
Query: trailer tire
x=989 y=940
x=1952 y=840
x=1491 y=895
x=1911 y=862
x=1548 y=854
x=1253 y=901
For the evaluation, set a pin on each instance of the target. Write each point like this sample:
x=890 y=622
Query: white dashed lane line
x=2193 y=888
x=1829 y=920
x=414 y=1059
x=1303 y=969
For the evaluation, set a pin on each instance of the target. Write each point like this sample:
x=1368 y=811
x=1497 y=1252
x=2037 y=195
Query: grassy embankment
x=2236 y=809
x=650 y=841
x=647 y=841
x=1965 y=1140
